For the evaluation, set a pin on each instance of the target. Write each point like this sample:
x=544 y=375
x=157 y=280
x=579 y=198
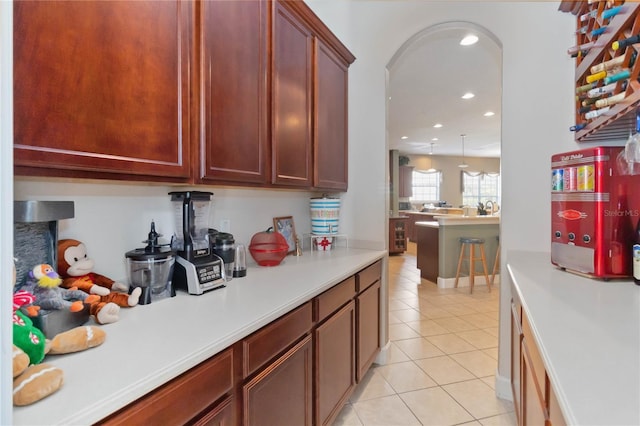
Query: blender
x=151 y=268
x=197 y=268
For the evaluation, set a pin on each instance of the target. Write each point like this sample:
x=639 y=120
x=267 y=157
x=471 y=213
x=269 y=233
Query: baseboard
x=465 y=282
x=383 y=355
x=503 y=387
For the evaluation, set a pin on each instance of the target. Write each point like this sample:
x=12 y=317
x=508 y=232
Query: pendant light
x=431 y=169
x=463 y=165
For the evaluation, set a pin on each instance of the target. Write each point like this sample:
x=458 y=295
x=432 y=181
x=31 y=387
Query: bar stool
x=496 y=263
x=472 y=242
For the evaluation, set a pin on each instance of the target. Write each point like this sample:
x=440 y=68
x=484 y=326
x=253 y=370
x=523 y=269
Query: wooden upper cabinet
x=234 y=91
x=102 y=89
x=330 y=128
x=292 y=99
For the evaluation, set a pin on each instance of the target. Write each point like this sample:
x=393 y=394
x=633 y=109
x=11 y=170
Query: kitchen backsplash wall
x=113 y=218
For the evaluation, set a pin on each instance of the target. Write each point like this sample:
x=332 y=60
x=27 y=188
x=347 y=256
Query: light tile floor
x=442 y=359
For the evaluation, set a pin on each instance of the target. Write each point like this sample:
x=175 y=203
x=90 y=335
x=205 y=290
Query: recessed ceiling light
x=468 y=40
x=468 y=95
x=489 y=114
x=404 y=137
x=434 y=139
x=437 y=125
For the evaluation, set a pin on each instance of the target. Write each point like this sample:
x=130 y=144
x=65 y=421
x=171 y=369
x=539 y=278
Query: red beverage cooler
x=594 y=211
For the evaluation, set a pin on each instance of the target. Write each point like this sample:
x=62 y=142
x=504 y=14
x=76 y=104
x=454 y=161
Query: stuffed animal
x=44 y=283
x=34 y=381
x=76 y=269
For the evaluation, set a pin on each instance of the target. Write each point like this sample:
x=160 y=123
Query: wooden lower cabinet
x=298 y=370
x=368 y=328
x=335 y=376
x=533 y=395
x=397 y=235
x=221 y=415
x=187 y=398
x=281 y=393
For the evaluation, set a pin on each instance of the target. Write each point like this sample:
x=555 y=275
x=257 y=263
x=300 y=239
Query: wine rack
x=599 y=25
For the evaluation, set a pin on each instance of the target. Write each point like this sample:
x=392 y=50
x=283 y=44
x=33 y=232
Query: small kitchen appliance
x=223 y=246
x=151 y=269
x=197 y=268
x=240 y=262
x=595 y=205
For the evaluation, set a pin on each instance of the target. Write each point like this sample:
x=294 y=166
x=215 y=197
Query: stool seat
x=469 y=240
x=472 y=242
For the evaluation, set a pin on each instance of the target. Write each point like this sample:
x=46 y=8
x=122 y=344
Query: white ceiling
x=427 y=79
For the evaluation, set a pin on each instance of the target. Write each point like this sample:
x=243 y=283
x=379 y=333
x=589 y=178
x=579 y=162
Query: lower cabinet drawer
x=334 y=298
x=183 y=398
x=368 y=276
x=271 y=340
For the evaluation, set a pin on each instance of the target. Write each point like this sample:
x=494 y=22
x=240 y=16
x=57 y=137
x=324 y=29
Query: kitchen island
x=155 y=343
x=438 y=246
x=586 y=334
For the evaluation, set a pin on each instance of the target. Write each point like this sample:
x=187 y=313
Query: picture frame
x=285 y=226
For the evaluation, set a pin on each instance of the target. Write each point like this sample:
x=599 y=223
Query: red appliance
x=595 y=208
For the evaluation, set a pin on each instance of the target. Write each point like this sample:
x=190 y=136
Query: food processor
x=197 y=269
x=151 y=269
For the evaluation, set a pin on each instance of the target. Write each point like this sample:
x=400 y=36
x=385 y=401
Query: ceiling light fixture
x=463 y=164
x=404 y=137
x=468 y=40
x=489 y=114
x=431 y=169
x=434 y=139
x=468 y=95
x=437 y=125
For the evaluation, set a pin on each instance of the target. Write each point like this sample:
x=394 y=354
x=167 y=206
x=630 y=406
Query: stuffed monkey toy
x=75 y=268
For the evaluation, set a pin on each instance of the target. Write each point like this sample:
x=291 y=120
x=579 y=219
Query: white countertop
x=151 y=344
x=455 y=220
x=588 y=333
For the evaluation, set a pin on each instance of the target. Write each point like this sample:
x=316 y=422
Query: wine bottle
x=607 y=65
x=586 y=87
x=599 y=91
x=596 y=113
x=611 y=100
x=636 y=255
x=589 y=15
x=595 y=77
x=621 y=44
x=610 y=13
x=618 y=76
x=581 y=48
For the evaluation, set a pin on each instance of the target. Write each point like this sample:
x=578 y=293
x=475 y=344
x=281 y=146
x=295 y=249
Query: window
x=426 y=186
x=480 y=187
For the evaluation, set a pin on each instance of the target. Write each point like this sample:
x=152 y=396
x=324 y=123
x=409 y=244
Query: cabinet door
x=397 y=236
x=368 y=308
x=533 y=407
x=330 y=126
x=101 y=89
x=291 y=100
x=335 y=363
x=221 y=415
x=405 y=181
x=281 y=393
x=516 y=372
x=234 y=89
